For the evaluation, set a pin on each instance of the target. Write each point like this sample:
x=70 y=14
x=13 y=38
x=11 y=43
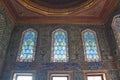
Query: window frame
x=92 y=73
x=97 y=44
x=21 y=43
x=67 y=74
x=95 y=76
x=16 y=74
x=60 y=76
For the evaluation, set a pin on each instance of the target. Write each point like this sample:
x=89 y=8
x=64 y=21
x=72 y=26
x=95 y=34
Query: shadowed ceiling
x=59 y=3
x=59 y=11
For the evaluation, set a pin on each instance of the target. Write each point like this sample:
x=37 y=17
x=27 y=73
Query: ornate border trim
x=59 y=12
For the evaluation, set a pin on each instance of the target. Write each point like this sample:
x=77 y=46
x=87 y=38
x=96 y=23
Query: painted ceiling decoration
x=59 y=11
x=57 y=7
x=59 y=3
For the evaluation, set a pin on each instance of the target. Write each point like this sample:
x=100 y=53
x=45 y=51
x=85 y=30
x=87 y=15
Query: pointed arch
x=116 y=29
x=91 y=48
x=59 y=46
x=27 y=47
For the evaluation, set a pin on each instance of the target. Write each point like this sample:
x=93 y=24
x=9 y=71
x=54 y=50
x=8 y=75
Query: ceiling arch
x=57 y=7
x=68 y=12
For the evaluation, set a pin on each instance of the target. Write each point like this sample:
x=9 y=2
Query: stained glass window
x=116 y=29
x=91 y=49
x=27 y=47
x=59 y=46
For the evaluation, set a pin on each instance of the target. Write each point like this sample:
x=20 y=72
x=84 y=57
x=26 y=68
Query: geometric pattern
x=48 y=66
x=27 y=47
x=71 y=66
x=59 y=46
x=95 y=65
x=78 y=75
x=91 y=49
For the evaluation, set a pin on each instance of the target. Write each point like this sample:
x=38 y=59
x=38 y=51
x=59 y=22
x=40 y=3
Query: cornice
x=108 y=7
x=56 y=12
x=105 y=13
x=9 y=11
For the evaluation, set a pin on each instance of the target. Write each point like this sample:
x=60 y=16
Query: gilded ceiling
x=59 y=3
x=59 y=11
x=57 y=7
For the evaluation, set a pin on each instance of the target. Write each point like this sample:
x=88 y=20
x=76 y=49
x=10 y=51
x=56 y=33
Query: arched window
x=116 y=29
x=91 y=48
x=59 y=46
x=27 y=47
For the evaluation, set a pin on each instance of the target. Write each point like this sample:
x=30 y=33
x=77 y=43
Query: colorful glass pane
x=90 y=47
x=59 y=48
x=27 y=50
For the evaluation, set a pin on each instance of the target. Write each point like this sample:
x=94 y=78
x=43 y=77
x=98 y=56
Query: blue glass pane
x=90 y=46
x=59 y=46
x=28 y=46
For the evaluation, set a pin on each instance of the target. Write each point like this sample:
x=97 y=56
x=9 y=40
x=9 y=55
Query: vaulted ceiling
x=59 y=11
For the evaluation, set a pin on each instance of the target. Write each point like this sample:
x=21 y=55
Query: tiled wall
x=114 y=52
x=42 y=64
x=6 y=27
x=110 y=34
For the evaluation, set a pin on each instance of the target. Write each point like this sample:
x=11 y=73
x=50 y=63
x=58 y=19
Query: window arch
x=116 y=29
x=59 y=46
x=27 y=48
x=91 y=48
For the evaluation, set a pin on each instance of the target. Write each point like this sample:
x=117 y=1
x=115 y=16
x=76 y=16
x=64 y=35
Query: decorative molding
x=95 y=65
x=22 y=66
x=55 y=12
x=48 y=66
x=71 y=66
x=87 y=16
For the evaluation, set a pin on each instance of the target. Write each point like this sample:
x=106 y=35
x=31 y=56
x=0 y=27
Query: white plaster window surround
x=96 y=76
x=23 y=75
x=60 y=75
